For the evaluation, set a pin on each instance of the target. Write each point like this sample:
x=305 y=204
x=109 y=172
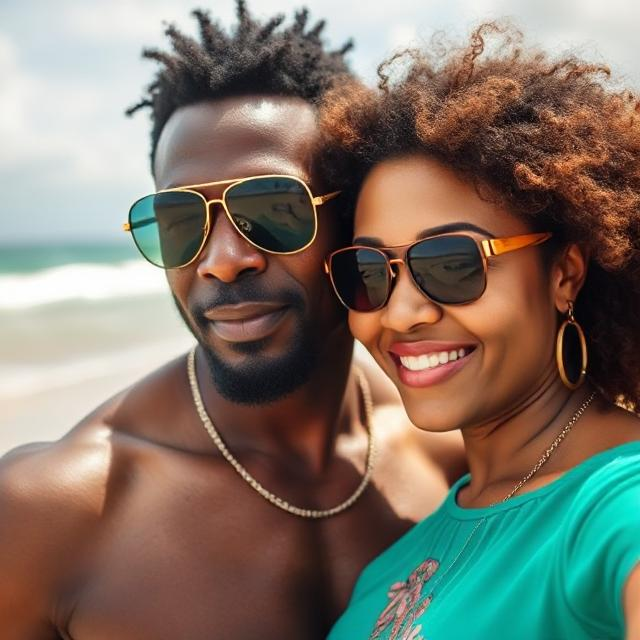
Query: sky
x=71 y=162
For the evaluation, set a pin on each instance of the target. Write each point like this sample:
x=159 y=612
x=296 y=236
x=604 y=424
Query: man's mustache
x=243 y=291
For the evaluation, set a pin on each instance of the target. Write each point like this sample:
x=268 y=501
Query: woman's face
x=506 y=338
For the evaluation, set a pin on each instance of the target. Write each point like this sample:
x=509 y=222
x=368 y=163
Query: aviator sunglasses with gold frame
x=275 y=213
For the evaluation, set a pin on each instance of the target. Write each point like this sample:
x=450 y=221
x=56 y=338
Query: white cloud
x=402 y=35
x=66 y=79
x=18 y=90
x=140 y=21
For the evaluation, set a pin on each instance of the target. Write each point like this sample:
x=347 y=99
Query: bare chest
x=175 y=560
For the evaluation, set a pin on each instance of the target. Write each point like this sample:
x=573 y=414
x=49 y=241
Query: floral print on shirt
x=406 y=604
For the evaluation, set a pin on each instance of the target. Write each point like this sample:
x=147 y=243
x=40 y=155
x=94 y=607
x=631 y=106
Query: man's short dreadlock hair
x=256 y=57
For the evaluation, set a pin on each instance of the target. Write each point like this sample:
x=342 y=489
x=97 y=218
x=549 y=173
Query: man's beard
x=260 y=379
x=263 y=379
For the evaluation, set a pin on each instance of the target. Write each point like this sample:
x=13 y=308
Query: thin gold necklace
x=536 y=467
x=253 y=483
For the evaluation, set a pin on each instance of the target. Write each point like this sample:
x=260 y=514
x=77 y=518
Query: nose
x=227 y=256
x=407 y=307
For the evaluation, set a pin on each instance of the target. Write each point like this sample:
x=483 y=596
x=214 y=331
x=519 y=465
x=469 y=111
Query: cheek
x=515 y=321
x=307 y=267
x=179 y=283
x=307 y=270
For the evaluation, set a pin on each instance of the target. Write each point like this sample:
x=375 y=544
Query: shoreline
x=47 y=414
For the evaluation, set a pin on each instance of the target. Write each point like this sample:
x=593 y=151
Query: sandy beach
x=48 y=414
x=58 y=363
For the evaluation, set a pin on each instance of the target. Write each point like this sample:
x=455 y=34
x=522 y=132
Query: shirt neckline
x=452 y=507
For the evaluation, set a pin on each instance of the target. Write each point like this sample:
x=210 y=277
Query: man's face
x=262 y=318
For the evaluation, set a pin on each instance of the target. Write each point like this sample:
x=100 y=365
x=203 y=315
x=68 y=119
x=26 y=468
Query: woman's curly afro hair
x=553 y=140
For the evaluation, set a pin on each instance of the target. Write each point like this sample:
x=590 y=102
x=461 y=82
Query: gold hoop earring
x=571 y=375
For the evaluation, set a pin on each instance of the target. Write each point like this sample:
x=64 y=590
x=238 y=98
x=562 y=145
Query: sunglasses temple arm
x=498 y=246
x=140 y=223
x=318 y=200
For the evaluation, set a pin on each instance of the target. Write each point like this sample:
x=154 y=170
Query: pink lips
x=427 y=377
x=246 y=322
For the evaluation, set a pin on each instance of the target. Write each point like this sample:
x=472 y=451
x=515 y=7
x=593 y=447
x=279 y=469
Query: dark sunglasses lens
x=360 y=278
x=275 y=214
x=168 y=228
x=448 y=269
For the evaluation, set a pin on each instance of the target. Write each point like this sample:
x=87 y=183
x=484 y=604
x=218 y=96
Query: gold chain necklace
x=538 y=465
x=253 y=483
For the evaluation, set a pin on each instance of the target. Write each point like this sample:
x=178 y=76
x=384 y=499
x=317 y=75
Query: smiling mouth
x=423 y=364
x=246 y=322
x=432 y=360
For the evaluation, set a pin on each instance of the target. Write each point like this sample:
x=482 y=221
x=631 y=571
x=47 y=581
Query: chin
x=431 y=414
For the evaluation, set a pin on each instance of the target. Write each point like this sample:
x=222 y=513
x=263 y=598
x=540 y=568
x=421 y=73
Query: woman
x=495 y=277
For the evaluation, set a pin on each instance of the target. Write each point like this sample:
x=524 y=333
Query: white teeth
x=431 y=360
x=415 y=363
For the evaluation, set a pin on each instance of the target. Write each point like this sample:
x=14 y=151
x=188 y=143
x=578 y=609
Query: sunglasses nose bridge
x=394 y=266
x=208 y=225
x=219 y=201
x=225 y=254
x=410 y=305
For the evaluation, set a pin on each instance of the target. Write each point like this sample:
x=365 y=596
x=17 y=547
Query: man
x=228 y=495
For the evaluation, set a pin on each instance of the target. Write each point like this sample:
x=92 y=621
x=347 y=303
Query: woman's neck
x=502 y=451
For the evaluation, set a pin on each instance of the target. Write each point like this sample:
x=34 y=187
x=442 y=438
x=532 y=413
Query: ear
x=568 y=275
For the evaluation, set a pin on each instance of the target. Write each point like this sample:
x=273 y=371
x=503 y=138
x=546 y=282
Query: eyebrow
x=371 y=241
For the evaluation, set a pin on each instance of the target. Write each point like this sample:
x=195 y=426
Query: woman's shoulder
x=610 y=451
x=604 y=514
x=600 y=539
x=613 y=471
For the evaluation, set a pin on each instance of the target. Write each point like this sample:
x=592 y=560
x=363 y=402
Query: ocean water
x=72 y=312
x=35 y=275
x=21 y=258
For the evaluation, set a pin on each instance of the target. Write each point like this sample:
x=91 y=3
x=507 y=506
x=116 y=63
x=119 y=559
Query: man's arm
x=23 y=567
x=632 y=605
x=47 y=504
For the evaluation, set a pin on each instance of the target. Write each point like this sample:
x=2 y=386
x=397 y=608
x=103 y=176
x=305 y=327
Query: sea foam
x=80 y=281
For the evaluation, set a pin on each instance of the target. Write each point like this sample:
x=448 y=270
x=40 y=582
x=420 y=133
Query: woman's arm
x=632 y=605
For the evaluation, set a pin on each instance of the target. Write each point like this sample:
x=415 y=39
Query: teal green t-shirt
x=548 y=564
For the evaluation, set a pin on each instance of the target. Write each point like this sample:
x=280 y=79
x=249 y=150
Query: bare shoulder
x=56 y=498
x=51 y=497
x=70 y=476
x=39 y=475
x=606 y=426
x=624 y=422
